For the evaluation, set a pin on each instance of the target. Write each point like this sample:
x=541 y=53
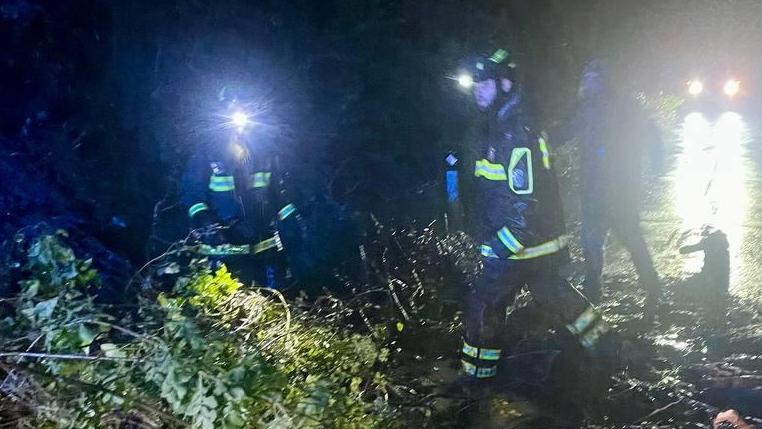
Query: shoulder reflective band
x=260 y=179
x=543 y=143
x=452 y=185
x=480 y=353
x=474 y=371
x=196 y=208
x=489 y=170
x=487 y=251
x=270 y=243
x=286 y=211
x=221 y=183
x=509 y=240
x=544 y=249
x=527 y=185
x=224 y=250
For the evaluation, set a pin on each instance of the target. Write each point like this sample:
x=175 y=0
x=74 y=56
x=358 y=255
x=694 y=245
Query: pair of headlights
x=731 y=88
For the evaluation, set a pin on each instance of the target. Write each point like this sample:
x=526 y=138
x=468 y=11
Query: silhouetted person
x=612 y=130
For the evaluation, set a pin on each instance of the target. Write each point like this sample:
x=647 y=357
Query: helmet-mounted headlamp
x=484 y=67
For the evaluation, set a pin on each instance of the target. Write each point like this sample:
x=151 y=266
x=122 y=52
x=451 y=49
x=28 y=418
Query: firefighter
x=234 y=194
x=518 y=219
x=612 y=131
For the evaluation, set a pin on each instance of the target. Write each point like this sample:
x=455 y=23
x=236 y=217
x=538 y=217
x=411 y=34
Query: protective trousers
x=625 y=224
x=496 y=288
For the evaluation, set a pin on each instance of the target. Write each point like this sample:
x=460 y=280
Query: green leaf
x=44 y=310
x=30 y=288
x=111 y=350
x=86 y=336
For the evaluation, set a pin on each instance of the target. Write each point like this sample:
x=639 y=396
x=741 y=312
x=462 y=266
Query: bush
x=207 y=354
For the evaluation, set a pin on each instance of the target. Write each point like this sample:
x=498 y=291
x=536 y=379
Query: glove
x=206 y=229
x=203 y=219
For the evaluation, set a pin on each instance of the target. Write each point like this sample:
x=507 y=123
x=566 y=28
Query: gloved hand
x=730 y=419
x=203 y=219
x=206 y=229
x=500 y=250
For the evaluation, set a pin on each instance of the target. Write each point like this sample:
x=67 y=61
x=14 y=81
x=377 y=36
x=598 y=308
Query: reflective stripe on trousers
x=588 y=327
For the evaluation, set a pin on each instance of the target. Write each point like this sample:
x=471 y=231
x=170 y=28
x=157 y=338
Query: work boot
x=470 y=387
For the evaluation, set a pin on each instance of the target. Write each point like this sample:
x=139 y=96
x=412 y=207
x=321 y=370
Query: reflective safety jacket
x=517 y=211
x=233 y=187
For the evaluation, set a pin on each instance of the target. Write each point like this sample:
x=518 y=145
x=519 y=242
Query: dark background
x=103 y=101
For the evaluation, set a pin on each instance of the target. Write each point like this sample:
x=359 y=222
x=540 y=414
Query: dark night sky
x=108 y=98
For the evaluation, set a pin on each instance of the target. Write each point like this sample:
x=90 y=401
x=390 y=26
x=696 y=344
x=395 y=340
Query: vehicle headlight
x=732 y=87
x=695 y=87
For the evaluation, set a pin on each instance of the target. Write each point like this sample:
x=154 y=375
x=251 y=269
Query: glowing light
x=710 y=187
x=239 y=152
x=240 y=119
x=731 y=88
x=465 y=80
x=695 y=87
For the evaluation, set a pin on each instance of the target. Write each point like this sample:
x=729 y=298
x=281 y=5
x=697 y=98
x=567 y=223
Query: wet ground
x=715 y=181
x=702 y=221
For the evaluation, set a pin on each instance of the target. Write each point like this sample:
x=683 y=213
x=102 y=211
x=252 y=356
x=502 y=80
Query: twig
x=61 y=356
x=659 y=410
x=286 y=307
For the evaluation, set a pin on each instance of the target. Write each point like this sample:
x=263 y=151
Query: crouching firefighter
x=518 y=219
x=235 y=197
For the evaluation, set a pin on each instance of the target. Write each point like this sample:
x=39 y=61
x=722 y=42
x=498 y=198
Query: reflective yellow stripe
x=543 y=249
x=590 y=339
x=490 y=171
x=286 y=211
x=545 y=152
x=488 y=252
x=530 y=252
x=260 y=179
x=517 y=154
x=584 y=321
x=471 y=351
x=509 y=240
x=480 y=353
x=478 y=372
x=489 y=354
x=499 y=56
x=221 y=183
x=268 y=244
x=198 y=207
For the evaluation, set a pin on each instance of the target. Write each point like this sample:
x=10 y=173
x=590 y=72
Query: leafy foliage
x=208 y=354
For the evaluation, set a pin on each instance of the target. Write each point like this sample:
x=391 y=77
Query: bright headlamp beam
x=465 y=80
x=695 y=87
x=240 y=119
x=731 y=88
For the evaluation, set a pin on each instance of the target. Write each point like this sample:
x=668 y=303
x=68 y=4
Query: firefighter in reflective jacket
x=237 y=186
x=518 y=219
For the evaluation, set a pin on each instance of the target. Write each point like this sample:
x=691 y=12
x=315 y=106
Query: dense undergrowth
x=207 y=353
